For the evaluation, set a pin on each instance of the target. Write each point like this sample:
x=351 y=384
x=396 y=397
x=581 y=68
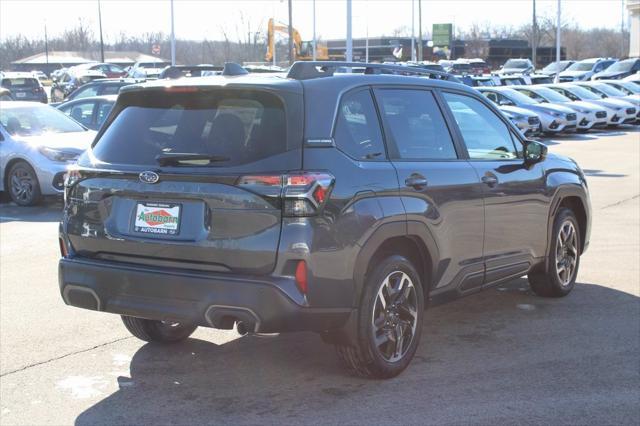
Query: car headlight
x=556 y=114
x=58 y=155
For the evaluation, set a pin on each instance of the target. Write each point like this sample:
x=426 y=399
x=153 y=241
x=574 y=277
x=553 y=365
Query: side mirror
x=534 y=152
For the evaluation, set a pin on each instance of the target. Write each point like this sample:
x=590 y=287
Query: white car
x=38 y=143
x=147 y=69
x=619 y=110
x=585 y=69
x=553 y=118
x=526 y=121
x=589 y=115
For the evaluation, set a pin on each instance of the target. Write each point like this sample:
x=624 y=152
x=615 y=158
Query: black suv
x=339 y=204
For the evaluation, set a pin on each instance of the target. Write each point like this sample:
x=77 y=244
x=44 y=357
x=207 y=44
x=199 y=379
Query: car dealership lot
x=500 y=356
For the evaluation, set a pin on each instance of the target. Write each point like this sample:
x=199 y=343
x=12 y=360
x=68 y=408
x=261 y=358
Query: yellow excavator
x=303 y=50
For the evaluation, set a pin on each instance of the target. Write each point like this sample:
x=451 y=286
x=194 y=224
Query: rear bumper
x=210 y=300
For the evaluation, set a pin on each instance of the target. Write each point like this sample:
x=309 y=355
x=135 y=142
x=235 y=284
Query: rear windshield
x=241 y=126
x=622 y=66
x=516 y=63
x=19 y=83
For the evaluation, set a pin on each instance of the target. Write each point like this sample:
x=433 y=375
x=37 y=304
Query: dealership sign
x=442 y=35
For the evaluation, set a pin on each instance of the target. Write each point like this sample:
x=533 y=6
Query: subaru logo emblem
x=149 y=177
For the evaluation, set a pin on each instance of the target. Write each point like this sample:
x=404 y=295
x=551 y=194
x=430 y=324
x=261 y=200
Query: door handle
x=490 y=179
x=416 y=181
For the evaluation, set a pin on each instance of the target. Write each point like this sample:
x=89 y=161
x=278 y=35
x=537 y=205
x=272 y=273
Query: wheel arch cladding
x=574 y=203
x=392 y=239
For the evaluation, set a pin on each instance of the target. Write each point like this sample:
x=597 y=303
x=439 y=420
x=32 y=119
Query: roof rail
x=308 y=70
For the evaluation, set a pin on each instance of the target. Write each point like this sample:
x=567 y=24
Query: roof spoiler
x=231 y=68
x=308 y=70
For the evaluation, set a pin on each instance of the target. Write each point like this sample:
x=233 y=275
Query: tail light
x=303 y=193
x=301 y=276
x=38 y=89
x=63 y=248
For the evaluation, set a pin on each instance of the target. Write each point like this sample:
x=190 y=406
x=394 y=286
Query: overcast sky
x=200 y=19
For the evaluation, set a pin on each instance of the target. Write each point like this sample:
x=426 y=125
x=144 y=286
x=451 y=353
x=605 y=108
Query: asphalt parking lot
x=503 y=356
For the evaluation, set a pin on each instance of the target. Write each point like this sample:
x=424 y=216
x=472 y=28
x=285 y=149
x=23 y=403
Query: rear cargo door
x=186 y=179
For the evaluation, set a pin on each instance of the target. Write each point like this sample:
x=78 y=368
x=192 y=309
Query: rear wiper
x=188 y=159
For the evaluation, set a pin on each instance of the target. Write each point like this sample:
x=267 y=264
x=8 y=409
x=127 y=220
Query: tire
x=558 y=277
x=364 y=357
x=157 y=331
x=22 y=184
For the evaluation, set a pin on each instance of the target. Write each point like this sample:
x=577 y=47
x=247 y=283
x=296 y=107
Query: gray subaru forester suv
x=324 y=200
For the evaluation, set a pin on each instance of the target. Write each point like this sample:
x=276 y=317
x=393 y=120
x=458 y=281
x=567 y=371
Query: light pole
x=100 y=25
x=534 y=38
x=291 y=52
x=366 y=39
x=349 y=52
x=46 y=45
x=557 y=77
x=622 y=55
x=420 y=53
x=314 y=31
x=173 y=38
x=413 y=31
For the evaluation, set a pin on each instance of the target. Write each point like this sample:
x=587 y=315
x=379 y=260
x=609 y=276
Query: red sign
x=155 y=49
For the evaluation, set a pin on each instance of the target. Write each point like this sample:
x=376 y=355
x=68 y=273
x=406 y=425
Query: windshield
x=37 y=120
x=581 y=66
x=516 y=63
x=551 y=95
x=583 y=93
x=622 y=66
x=631 y=87
x=240 y=125
x=609 y=90
x=555 y=66
x=518 y=97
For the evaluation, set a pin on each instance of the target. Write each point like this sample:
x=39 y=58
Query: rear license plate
x=157 y=218
x=20 y=94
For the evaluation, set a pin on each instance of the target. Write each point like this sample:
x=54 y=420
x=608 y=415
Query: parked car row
x=568 y=107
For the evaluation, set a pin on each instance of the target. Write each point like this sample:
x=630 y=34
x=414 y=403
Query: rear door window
x=82 y=112
x=414 y=125
x=110 y=89
x=86 y=92
x=241 y=126
x=357 y=130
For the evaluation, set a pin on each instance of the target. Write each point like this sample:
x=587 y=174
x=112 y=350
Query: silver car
x=589 y=115
x=605 y=91
x=526 y=121
x=618 y=111
x=553 y=118
x=38 y=144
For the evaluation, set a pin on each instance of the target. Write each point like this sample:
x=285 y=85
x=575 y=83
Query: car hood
x=557 y=161
x=634 y=99
x=582 y=105
x=573 y=73
x=610 y=74
x=619 y=102
x=517 y=110
x=513 y=70
x=73 y=141
x=549 y=108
